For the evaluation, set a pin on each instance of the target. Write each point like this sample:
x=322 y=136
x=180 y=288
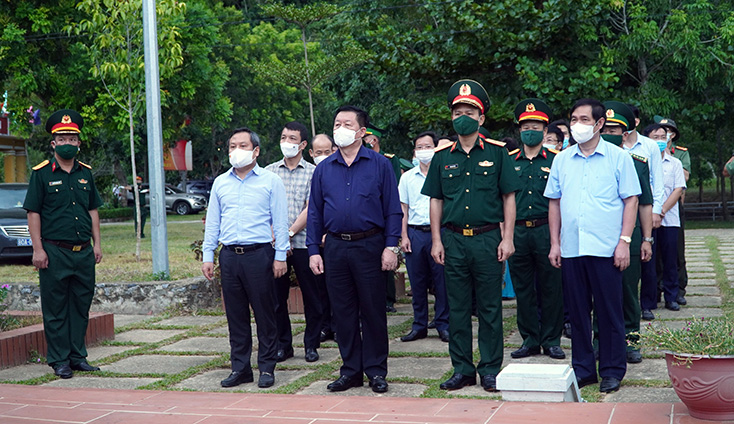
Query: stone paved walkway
x=192 y=353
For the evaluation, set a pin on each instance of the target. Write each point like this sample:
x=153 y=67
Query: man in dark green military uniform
x=530 y=262
x=372 y=141
x=472 y=185
x=62 y=204
x=681 y=153
x=620 y=120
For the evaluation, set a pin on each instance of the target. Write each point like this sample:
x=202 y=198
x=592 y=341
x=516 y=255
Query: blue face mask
x=565 y=143
x=662 y=145
x=416 y=162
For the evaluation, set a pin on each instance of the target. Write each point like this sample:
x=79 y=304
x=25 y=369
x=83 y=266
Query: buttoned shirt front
x=297 y=183
x=246 y=211
x=63 y=199
x=533 y=174
x=472 y=183
x=673 y=178
x=353 y=198
x=648 y=148
x=592 y=191
x=419 y=204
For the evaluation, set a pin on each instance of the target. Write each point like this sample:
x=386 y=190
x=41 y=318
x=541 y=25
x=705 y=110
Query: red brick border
x=16 y=345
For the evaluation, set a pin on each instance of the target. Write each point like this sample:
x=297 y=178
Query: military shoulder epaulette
x=513 y=152
x=638 y=157
x=41 y=165
x=554 y=151
x=388 y=155
x=685 y=149
x=445 y=146
x=495 y=142
x=84 y=164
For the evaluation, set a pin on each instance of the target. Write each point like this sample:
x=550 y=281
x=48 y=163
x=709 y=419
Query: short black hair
x=650 y=128
x=597 y=108
x=254 y=138
x=635 y=110
x=558 y=122
x=297 y=126
x=510 y=143
x=362 y=117
x=330 y=138
x=553 y=129
x=431 y=134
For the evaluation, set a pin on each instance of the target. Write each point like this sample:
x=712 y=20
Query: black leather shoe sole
x=525 y=351
x=345 y=383
x=609 y=385
x=282 y=355
x=444 y=336
x=414 y=335
x=326 y=335
x=432 y=324
x=378 y=384
x=672 y=306
x=237 y=378
x=266 y=380
x=311 y=355
x=555 y=352
x=489 y=382
x=634 y=357
x=681 y=300
x=84 y=366
x=458 y=381
x=586 y=382
x=647 y=315
x=63 y=371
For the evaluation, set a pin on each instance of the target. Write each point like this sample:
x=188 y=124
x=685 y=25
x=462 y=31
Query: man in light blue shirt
x=593 y=189
x=247 y=206
x=416 y=243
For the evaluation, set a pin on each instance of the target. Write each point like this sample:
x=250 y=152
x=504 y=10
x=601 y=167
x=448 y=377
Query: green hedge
x=115 y=213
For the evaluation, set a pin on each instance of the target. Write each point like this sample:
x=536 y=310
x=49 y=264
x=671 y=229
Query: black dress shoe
x=489 y=382
x=672 y=306
x=567 y=330
x=266 y=380
x=444 y=335
x=326 y=335
x=312 y=355
x=236 y=378
x=457 y=381
x=414 y=335
x=555 y=352
x=378 y=384
x=525 y=351
x=681 y=300
x=647 y=315
x=432 y=324
x=586 y=382
x=609 y=385
x=345 y=383
x=283 y=354
x=390 y=308
x=63 y=371
x=84 y=366
x=634 y=357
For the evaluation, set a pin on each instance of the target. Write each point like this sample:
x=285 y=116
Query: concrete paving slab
x=199 y=344
x=686 y=313
x=398 y=319
x=692 y=281
x=646 y=326
x=698 y=275
x=210 y=381
x=509 y=312
x=473 y=391
x=166 y=364
x=418 y=367
x=648 y=369
x=516 y=339
x=395 y=390
x=325 y=355
x=702 y=291
x=124 y=319
x=146 y=336
x=642 y=395
x=99 y=352
x=703 y=301
x=427 y=345
x=190 y=320
x=219 y=330
x=25 y=372
x=102 y=383
x=699 y=269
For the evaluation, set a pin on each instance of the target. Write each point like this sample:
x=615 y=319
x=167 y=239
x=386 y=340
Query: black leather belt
x=69 y=246
x=531 y=223
x=424 y=228
x=242 y=249
x=469 y=232
x=356 y=236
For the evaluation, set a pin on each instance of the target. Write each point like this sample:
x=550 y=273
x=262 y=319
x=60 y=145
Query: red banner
x=178 y=158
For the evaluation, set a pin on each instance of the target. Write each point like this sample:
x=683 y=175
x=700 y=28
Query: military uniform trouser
x=527 y=265
x=67 y=289
x=471 y=262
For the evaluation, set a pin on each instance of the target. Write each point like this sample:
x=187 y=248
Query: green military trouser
x=471 y=263
x=529 y=264
x=67 y=288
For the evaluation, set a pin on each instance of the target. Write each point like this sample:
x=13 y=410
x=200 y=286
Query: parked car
x=176 y=200
x=202 y=187
x=15 y=240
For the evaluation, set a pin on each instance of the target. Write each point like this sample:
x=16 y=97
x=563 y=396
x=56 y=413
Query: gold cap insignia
x=66 y=119
x=610 y=113
x=663 y=121
x=465 y=90
x=530 y=107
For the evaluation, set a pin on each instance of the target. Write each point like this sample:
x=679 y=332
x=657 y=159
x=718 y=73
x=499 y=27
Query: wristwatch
x=393 y=249
x=650 y=240
x=626 y=239
x=291 y=233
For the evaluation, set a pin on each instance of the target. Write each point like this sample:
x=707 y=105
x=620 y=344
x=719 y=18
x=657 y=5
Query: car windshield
x=175 y=189
x=11 y=198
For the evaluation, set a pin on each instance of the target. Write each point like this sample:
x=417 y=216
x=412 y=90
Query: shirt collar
x=457 y=146
x=361 y=153
x=416 y=170
x=521 y=154
x=256 y=170
x=602 y=148
x=667 y=156
x=55 y=165
x=282 y=163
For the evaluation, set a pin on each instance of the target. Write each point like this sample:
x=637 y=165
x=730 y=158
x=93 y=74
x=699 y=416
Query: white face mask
x=424 y=156
x=344 y=137
x=239 y=158
x=317 y=160
x=549 y=146
x=289 y=149
x=582 y=132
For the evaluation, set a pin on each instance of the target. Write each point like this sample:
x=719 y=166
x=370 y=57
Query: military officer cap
x=619 y=114
x=669 y=124
x=532 y=110
x=373 y=130
x=468 y=92
x=64 y=121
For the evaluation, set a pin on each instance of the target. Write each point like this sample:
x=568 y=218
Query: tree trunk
x=308 y=80
x=135 y=180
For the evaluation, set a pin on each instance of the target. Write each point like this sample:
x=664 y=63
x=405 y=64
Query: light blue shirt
x=592 y=191
x=419 y=204
x=673 y=178
x=647 y=147
x=247 y=211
